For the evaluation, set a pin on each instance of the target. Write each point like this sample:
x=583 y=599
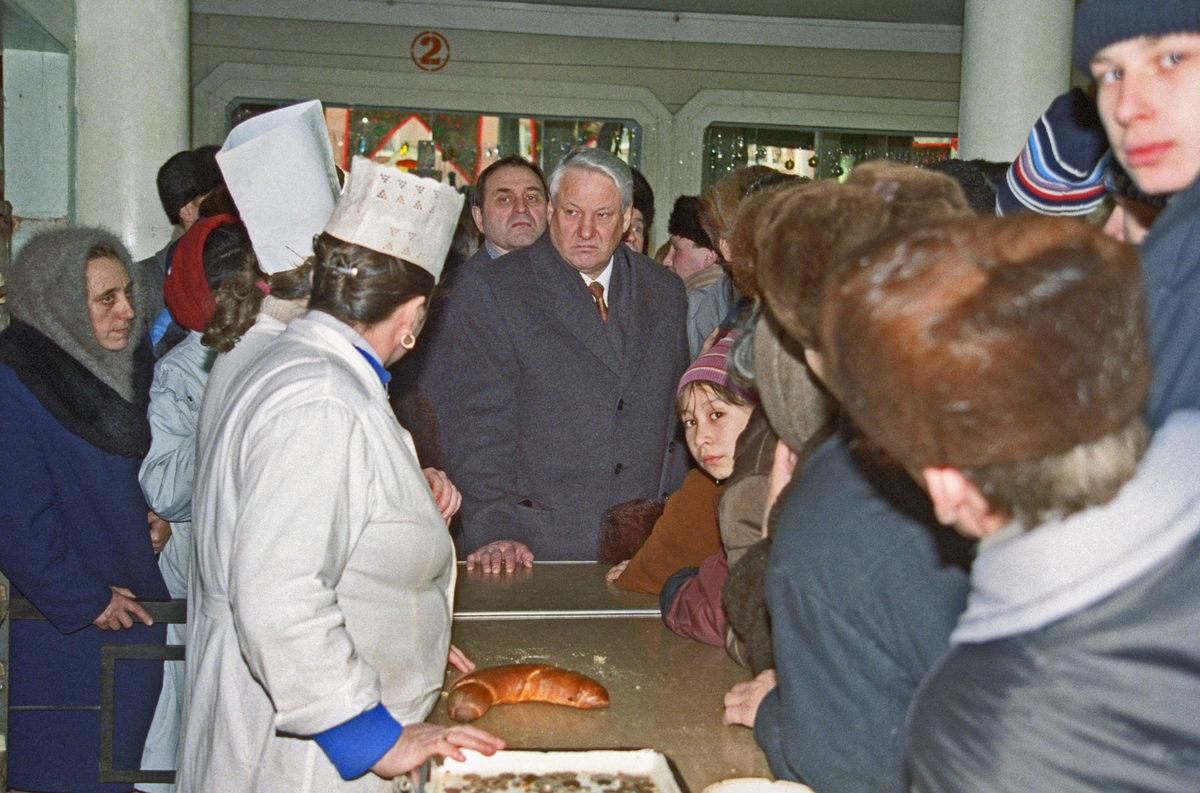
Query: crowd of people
x=911 y=445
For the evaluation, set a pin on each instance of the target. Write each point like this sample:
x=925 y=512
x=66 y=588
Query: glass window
x=815 y=153
x=456 y=147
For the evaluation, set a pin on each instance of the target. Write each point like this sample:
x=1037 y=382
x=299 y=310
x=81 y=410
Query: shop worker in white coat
x=324 y=576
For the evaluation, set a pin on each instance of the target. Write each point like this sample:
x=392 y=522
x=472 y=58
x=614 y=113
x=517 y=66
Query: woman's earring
x=408 y=340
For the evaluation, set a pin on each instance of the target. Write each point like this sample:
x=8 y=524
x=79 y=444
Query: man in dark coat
x=509 y=207
x=554 y=377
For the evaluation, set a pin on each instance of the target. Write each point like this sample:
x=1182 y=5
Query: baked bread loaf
x=472 y=695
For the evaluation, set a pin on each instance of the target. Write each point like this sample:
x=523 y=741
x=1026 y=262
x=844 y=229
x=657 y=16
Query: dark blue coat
x=1171 y=273
x=863 y=596
x=72 y=524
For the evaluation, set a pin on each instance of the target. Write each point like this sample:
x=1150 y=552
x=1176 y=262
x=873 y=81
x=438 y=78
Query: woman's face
x=712 y=426
x=109 y=292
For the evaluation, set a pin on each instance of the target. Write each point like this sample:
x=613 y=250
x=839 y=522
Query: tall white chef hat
x=279 y=169
x=396 y=213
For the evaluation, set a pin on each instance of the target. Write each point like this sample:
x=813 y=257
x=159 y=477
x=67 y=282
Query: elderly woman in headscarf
x=74 y=377
x=324 y=579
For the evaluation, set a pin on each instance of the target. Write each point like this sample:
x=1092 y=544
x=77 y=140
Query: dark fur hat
x=643 y=197
x=989 y=341
x=685 y=222
x=185 y=176
x=807 y=231
x=625 y=527
x=742 y=247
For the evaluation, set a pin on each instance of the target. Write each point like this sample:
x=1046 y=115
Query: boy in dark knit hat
x=1145 y=58
x=1004 y=364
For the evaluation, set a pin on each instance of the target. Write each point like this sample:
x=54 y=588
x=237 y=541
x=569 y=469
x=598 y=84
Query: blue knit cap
x=1099 y=23
x=1062 y=167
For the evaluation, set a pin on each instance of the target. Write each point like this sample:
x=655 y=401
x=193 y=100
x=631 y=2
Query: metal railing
x=161 y=611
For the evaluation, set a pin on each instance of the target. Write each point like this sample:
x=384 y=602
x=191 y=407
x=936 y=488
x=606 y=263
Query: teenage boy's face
x=1149 y=99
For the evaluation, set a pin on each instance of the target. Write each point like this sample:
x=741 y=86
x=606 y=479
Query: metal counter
x=666 y=692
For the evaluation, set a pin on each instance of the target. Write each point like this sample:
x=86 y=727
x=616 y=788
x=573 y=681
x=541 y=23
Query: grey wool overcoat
x=548 y=414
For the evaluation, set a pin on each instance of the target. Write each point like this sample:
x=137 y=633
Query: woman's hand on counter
x=444 y=492
x=742 y=701
x=500 y=555
x=459 y=660
x=121 y=612
x=421 y=741
x=615 y=572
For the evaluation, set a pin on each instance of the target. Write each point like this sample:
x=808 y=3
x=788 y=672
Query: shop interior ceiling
x=928 y=12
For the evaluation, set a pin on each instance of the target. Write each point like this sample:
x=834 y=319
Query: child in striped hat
x=713 y=411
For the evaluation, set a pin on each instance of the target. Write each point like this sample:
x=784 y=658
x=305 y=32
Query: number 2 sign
x=430 y=50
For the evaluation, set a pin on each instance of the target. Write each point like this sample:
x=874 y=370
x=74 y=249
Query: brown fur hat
x=989 y=341
x=719 y=202
x=625 y=527
x=742 y=248
x=806 y=233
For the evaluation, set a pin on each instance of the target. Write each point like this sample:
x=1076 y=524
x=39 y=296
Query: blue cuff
x=356 y=745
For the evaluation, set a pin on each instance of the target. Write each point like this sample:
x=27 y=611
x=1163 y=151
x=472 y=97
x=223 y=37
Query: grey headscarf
x=47 y=289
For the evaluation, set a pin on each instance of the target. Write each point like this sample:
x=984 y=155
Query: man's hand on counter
x=500 y=555
x=742 y=701
x=420 y=741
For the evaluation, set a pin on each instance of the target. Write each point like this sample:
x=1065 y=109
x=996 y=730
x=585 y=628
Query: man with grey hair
x=556 y=373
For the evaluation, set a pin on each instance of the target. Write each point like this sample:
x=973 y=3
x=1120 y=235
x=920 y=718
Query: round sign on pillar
x=430 y=50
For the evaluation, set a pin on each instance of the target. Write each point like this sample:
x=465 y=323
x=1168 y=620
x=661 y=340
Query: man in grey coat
x=1004 y=364
x=554 y=377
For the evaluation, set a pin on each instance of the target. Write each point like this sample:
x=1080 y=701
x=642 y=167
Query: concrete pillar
x=1016 y=57
x=132 y=113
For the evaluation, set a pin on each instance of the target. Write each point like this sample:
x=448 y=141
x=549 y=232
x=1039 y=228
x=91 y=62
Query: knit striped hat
x=1061 y=169
x=709 y=367
x=1099 y=23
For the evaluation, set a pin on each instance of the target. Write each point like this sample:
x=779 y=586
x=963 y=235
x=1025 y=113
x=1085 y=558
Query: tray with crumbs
x=600 y=771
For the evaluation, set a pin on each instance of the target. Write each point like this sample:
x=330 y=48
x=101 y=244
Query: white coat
x=323 y=575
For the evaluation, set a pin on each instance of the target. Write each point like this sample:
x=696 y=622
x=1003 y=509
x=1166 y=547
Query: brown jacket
x=684 y=536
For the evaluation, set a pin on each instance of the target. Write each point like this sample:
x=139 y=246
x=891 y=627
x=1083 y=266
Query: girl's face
x=712 y=426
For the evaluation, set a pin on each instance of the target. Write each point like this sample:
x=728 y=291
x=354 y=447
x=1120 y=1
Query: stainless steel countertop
x=666 y=691
x=548 y=590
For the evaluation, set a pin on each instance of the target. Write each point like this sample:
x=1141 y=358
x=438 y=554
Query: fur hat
x=742 y=246
x=1099 y=23
x=719 y=202
x=805 y=232
x=979 y=180
x=643 y=197
x=991 y=341
x=685 y=222
x=185 y=176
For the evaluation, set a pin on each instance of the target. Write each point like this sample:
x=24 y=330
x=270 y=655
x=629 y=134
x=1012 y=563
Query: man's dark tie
x=597 y=290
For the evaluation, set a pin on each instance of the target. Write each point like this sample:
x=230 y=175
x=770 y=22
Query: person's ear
x=815 y=362
x=725 y=248
x=628 y=220
x=477 y=216
x=958 y=502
